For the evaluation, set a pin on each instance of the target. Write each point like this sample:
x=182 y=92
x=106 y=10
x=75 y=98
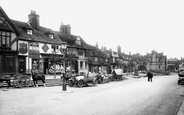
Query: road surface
x=133 y=96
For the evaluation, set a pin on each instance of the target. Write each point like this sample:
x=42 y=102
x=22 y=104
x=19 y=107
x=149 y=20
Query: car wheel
x=70 y=83
x=80 y=83
x=95 y=82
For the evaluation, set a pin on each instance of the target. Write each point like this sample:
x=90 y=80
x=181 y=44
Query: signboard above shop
x=35 y=54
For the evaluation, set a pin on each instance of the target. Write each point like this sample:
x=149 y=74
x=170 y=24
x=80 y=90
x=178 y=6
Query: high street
x=134 y=96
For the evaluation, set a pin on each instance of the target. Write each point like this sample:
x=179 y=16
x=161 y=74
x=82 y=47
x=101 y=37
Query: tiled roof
x=157 y=55
x=120 y=56
x=71 y=40
x=38 y=35
x=9 y=21
x=95 y=52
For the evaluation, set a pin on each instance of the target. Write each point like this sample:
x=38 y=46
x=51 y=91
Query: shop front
x=8 y=63
x=34 y=55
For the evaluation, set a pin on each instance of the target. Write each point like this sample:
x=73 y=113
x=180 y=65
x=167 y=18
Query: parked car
x=167 y=73
x=82 y=80
x=117 y=74
x=181 y=77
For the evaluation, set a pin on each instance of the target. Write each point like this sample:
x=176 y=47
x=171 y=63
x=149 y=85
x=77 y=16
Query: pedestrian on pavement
x=150 y=76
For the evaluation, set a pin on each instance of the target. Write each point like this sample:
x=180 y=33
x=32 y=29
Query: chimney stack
x=33 y=19
x=65 y=29
x=119 y=49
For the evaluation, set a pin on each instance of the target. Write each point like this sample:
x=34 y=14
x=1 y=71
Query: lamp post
x=64 y=48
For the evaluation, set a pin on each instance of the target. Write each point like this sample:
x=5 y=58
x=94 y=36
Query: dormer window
x=96 y=59
x=78 y=41
x=51 y=36
x=30 y=32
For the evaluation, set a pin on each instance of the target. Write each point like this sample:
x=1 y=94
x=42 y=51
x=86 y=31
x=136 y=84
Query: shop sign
x=45 y=48
x=34 y=54
x=23 y=48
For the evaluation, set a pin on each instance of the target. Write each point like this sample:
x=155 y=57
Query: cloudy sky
x=138 y=26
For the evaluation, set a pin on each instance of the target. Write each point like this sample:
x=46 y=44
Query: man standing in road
x=150 y=76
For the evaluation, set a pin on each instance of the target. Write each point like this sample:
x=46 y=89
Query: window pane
x=0 y=41
x=8 y=33
x=51 y=36
x=7 y=41
x=10 y=64
x=30 y=32
x=31 y=44
x=3 y=33
x=81 y=65
x=2 y=64
x=3 y=40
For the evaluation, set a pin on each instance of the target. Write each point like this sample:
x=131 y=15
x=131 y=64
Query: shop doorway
x=76 y=66
x=46 y=66
x=22 y=64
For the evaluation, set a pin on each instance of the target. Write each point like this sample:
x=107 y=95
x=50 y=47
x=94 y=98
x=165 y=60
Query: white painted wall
x=14 y=45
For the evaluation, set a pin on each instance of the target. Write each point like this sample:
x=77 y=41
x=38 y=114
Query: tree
x=141 y=67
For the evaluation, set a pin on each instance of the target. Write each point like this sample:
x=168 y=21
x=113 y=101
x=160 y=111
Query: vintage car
x=117 y=74
x=83 y=79
x=181 y=77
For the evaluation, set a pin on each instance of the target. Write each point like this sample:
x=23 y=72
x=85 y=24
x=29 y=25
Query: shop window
x=7 y=64
x=10 y=64
x=81 y=64
x=35 y=64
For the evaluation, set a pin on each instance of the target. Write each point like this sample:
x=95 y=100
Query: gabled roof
x=9 y=21
x=95 y=52
x=120 y=56
x=71 y=40
x=107 y=53
x=45 y=30
x=65 y=38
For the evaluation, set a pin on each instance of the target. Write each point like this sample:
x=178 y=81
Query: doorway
x=76 y=66
x=22 y=65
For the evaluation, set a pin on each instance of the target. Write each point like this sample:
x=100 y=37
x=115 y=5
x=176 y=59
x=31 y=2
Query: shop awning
x=35 y=54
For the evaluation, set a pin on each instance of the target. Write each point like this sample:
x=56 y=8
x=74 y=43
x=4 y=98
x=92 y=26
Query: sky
x=138 y=26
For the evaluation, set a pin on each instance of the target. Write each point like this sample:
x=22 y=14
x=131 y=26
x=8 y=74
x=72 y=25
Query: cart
x=21 y=80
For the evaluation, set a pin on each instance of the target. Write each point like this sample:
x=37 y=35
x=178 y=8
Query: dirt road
x=129 y=97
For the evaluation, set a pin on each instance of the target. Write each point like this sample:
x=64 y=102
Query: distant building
x=172 y=64
x=156 y=61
